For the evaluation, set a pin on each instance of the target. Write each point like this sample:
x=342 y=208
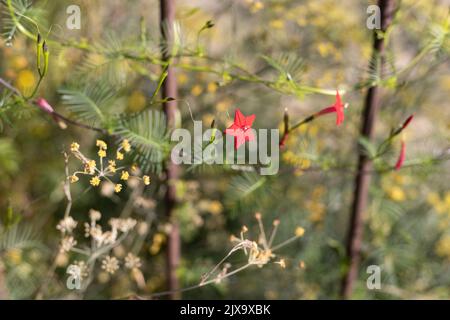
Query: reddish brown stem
x=362 y=179
x=169 y=89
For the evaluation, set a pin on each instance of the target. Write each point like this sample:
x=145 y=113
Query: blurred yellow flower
x=182 y=78
x=197 y=90
x=277 y=24
x=158 y=240
x=325 y=48
x=433 y=198
x=212 y=87
x=136 y=101
x=224 y=104
x=25 y=80
x=443 y=247
x=215 y=207
x=207 y=119
x=299 y=232
x=256 y=6
x=14 y=255
x=396 y=193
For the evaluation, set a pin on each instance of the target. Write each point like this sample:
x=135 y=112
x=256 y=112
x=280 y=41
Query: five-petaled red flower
x=241 y=128
x=337 y=107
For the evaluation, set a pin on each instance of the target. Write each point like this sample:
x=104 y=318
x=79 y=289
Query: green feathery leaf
x=147 y=132
x=91 y=103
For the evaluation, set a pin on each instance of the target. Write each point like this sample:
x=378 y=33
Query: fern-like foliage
x=147 y=131
x=289 y=66
x=175 y=40
x=106 y=63
x=9 y=27
x=247 y=190
x=440 y=35
x=91 y=104
x=18 y=236
x=25 y=13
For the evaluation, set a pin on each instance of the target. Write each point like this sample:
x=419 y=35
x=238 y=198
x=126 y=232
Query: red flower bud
x=407 y=121
x=401 y=157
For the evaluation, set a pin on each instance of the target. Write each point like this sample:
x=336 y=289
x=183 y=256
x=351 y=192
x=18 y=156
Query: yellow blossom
x=126 y=145
x=299 y=232
x=119 y=155
x=443 y=247
x=89 y=167
x=25 y=80
x=257 y=5
x=215 y=207
x=277 y=24
x=146 y=180
x=101 y=144
x=223 y=105
x=102 y=153
x=396 y=193
x=182 y=78
x=197 y=90
x=118 y=188
x=158 y=240
x=73 y=178
x=212 y=87
x=136 y=101
x=14 y=255
x=95 y=181
x=74 y=147
x=112 y=166
x=125 y=175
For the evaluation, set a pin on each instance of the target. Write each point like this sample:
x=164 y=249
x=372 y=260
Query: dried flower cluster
x=258 y=253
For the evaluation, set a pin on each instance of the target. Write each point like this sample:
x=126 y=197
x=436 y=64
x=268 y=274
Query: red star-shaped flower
x=337 y=107
x=240 y=129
